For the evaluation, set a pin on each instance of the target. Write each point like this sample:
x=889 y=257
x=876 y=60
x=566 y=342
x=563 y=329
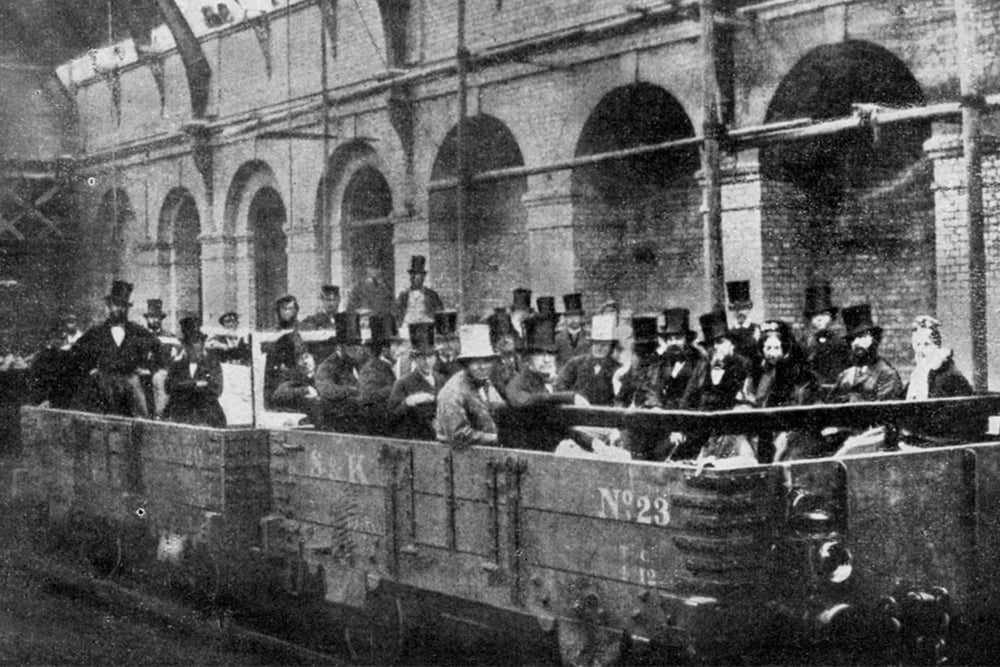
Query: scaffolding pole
x=712 y=132
x=461 y=164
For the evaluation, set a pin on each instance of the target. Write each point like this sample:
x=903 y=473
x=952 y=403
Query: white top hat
x=475 y=341
x=602 y=328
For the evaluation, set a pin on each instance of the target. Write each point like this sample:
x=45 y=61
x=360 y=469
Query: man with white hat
x=590 y=374
x=464 y=403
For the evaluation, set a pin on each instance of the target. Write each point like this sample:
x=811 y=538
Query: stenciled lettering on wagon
x=637 y=566
x=627 y=505
x=350 y=468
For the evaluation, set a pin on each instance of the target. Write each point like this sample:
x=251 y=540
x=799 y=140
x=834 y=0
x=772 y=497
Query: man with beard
x=745 y=334
x=412 y=403
x=377 y=377
x=113 y=355
x=194 y=381
x=419 y=302
x=935 y=376
x=464 y=403
x=639 y=386
x=506 y=344
x=678 y=357
x=572 y=341
x=782 y=379
x=169 y=350
x=826 y=352
x=446 y=343
x=591 y=374
x=282 y=356
x=337 y=377
x=868 y=378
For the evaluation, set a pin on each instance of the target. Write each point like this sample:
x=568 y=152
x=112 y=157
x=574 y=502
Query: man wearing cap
x=377 y=377
x=194 y=381
x=826 y=352
x=373 y=293
x=590 y=374
x=337 y=377
x=419 y=302
x=229 y=347
x=446 y=343
x=572 y=341
x=113 y=354
x=745 y=333
x=506 y=344
x=329 y=297
x=678 y=357
x=463 y=416
x=283 y=355
x=413 y=401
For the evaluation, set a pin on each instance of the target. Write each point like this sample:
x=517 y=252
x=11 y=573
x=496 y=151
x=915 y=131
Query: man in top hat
x=446 y=343
x=520 y=309
x=678 y=357
x=113 y=354
x=506 y=344
x=745 y=333
x=869 y=377
x=572 y=341
x=168 y=352
x=284 y=353
x=337 y=377
x=419 y=303
x=413 y=401
x=377 y=377
x=463 y=416
x=229 y=347
x=590 y=374
x=373 y=293
x=329 y=297
x=532 y=384
x=638 y=385
x=194 y=381
x=780 y=379
x=826 y=352
x=716 y=384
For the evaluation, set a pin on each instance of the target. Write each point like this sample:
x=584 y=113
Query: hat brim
x=491 y=357
x=833 y=310
x=691 y=335
x=741 y=305
x=117 y=302
x=875 y=331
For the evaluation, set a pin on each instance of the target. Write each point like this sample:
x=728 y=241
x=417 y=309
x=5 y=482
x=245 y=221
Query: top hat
x=330 y=290
x=383 y=327
x=499 y=324
x=446 y=323
x=609 y=305
x=713 y=326
x=738 y=292
x=573 y=303
x=644 y=328
x=226 y=315
x=676 y=321
x=68 y=317
x=475 y=342
x=418 y=264
x=154 y=308
x=858 y=320
x=121 y=292
x=348 y=328
x=283 y=299
x=422 y=337
x=522 y=299
x=546 y=306
x=540 y=334
x=191 y=329
x=602 y=328
x=819 y=299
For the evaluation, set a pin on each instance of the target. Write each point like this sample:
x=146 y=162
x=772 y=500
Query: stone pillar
x=552 y=254
x=742 y=243
x=952 y=245
x=304 y=278
x=218 y=279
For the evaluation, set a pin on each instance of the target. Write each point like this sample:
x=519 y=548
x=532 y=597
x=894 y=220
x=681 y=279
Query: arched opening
x=117 y=218
x=856 y=208
x=495 y=252
x=367 y=228
x=637 y=230
x=182 y=224
x=266 y=220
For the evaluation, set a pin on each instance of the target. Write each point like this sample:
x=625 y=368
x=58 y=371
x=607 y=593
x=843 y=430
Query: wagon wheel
x=377 y=636
x=587 y=645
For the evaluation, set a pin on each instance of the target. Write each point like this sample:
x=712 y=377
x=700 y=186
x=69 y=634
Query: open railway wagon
x=347 y=541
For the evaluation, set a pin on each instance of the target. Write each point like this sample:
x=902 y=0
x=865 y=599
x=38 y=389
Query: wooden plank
x=326 y=502
x=329 y=456
x=196 y=487
x=186 y=446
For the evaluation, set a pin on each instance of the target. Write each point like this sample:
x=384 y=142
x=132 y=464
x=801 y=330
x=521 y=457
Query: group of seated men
x=454 y=382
